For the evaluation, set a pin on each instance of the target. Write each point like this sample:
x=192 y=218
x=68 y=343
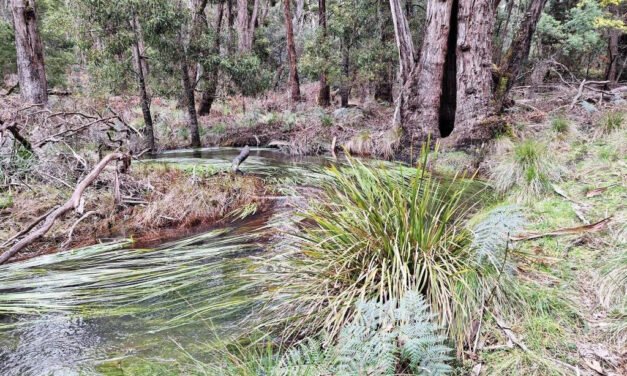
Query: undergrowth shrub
x=527 y=165
x=377 y=233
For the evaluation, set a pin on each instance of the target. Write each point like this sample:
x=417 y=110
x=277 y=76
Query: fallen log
x=237 y=161
x=73 y=203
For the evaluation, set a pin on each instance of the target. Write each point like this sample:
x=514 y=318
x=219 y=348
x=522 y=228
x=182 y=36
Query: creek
x=97 y=309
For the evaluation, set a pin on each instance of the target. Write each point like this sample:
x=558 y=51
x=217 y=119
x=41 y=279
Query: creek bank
x=158 y=202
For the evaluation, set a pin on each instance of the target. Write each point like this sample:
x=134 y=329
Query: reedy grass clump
x=560 y=125
x=612 y=121
x=377 y=234
x=527 y=165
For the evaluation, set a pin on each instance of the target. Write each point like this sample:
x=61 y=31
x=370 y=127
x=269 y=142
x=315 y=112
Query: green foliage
x=381 y=339
x=248 y=73
x=326 y=120
x=7 y=49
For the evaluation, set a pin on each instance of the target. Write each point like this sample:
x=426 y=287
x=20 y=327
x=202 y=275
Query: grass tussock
x=377 y=234
x=612 y=121
x=528 y=166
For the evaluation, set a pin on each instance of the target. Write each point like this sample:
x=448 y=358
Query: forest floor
x=573 y=316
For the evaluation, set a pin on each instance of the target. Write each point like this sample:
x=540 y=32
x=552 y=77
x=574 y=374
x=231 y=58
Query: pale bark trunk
x=30 y=53
x=474 y=71
x=141 y=80
x=291 y=53
x=404 y=43
x=246 y=25
x=324 y=92
x=421 y=95
x=518 y=51
x=210 y=74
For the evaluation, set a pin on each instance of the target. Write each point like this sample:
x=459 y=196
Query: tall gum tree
x=30 y=52
x=291 y=54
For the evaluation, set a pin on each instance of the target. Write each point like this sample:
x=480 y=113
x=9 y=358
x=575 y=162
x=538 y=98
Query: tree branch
x=70 y=204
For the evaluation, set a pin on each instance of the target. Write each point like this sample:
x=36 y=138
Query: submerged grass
x=178 y=282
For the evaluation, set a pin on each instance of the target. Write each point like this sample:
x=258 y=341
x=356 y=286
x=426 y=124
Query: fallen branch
x=237 y=161
x=73 y=203
x=594 y=227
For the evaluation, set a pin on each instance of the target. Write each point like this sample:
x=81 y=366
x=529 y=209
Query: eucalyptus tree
x=129 y=32
x=294 y=83
x=31 y=68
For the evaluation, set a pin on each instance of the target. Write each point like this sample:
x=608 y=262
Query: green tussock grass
x=527 y=166
x=377 y=233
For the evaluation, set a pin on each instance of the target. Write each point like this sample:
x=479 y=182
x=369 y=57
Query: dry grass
x=153 y=198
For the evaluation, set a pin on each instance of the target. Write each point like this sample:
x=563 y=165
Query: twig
x=594 y=227
x=71 y=231
x=576 y=98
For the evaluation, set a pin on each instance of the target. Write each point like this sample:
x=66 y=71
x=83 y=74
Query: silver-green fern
x=491 y=234
x=378 y=339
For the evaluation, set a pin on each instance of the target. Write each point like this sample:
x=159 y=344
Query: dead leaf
x=595 y=227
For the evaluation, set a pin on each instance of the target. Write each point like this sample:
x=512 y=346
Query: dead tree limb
x=237 y=161
x=70 y=204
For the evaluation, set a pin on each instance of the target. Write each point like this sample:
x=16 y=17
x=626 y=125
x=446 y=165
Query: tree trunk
x=191 y=103
x=246 y=25
x=345 y=88
x=404 y=43
x=291 y=53
x=324 y=92
x=141 y=80
x=199 y=26
x=385 y=79
x=449 y=91
x=422 y=94
x=613 y=52
x=518 y=51
x=30 y=53
x=210 y=74
x=474 y=73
